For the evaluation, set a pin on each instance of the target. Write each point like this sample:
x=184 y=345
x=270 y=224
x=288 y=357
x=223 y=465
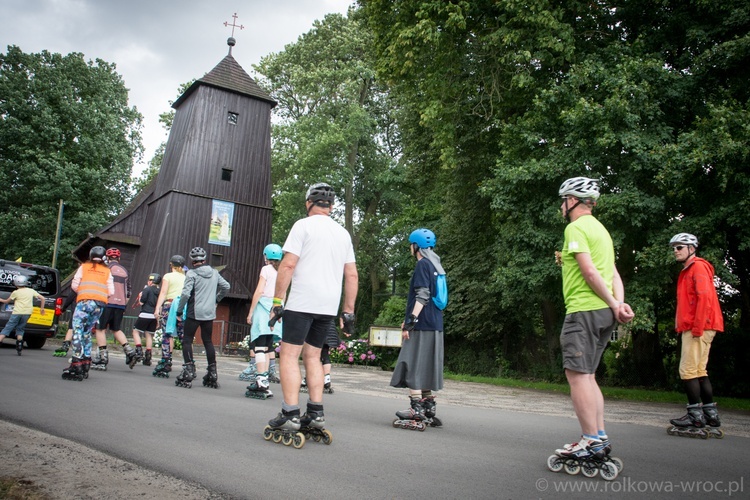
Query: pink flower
x=372 y=356
x=351 y=359
x=363 y=357
x=369 y=353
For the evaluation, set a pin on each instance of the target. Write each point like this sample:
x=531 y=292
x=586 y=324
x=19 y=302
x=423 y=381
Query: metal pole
x=58 y=232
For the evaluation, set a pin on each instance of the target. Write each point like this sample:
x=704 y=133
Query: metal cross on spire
x=231 y=41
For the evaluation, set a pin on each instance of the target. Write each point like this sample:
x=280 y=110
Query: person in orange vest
x=93 y=284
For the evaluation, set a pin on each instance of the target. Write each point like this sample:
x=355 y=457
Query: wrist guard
x=410 y=323
x=348 y=319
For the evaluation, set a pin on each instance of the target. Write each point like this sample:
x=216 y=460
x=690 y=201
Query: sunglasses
x=678 y=248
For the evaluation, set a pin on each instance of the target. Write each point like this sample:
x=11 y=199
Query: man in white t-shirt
x=318 y=258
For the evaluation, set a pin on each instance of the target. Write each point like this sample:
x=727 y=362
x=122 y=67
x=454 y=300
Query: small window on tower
x=226 y=174
x=232 y=118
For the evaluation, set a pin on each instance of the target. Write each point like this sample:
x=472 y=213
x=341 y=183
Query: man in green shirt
x=594 y=302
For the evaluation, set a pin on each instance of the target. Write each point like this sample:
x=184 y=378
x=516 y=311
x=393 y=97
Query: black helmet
x=97 y=253
x=155 y=278
x=321 y=192
x=177 y=260
x=197 y=254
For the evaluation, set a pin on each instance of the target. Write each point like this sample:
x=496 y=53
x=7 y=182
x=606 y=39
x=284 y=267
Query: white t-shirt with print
x=323 y=248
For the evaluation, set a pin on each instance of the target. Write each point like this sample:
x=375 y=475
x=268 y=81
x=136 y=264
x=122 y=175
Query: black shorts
x=264 y=341
x=111 y=317
x=301 y=328
x=145 y=325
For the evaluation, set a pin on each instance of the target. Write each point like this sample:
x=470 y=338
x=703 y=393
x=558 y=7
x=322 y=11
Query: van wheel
x=35 y=342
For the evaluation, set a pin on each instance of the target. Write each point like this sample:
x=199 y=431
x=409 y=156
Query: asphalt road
x=214 y=438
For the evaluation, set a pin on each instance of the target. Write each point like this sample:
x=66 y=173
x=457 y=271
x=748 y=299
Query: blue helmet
x=273 y=252
x=423 y=238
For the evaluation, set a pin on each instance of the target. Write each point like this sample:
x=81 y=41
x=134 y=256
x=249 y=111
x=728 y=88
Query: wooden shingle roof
x=229 y=75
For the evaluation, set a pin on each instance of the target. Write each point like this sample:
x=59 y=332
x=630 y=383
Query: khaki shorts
x=584 y=337
x=694 y=355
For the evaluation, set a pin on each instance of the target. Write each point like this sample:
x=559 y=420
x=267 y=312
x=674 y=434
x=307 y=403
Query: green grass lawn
x=644 y=395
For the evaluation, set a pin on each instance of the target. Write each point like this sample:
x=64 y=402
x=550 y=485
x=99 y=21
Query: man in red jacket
x=697 y=320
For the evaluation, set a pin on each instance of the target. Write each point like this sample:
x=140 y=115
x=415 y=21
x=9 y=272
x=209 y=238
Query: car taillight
x=58 y=306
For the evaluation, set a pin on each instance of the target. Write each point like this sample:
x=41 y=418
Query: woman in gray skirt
x=420 y=362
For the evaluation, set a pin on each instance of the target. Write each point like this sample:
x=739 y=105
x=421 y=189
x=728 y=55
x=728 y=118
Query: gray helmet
x=321 y=192
x=177 y=260
x=97 y=253
x=684 y=239
x=580 y=187
x=197 y=254
x=20 y=280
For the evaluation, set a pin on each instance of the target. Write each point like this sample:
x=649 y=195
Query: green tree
x=501 y=101
x=333 y=124
x=66 y=132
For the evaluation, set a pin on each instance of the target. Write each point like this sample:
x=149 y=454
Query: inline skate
x=303 y=385
x=693 y=424
x=312 y=425
x=258 y=388
x=131 y=358
x=185 y=379
x=327 y=388
x=273 y=374
x=147 y=358
x=713 y=422
x=85 y=366
x=100 y=361
x=62 y=351
x=413 y=418
x=74 y=371
x=249 y=373
x=163 y=367
x=586 y=457
x=211 y=378
x=607 y=447
x=430 y=408
x=285 y=429
x=19 y=346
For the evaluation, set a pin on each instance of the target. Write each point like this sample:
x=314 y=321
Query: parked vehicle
x=46 y=281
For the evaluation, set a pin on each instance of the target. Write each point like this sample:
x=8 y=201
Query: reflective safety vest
x=93 y=284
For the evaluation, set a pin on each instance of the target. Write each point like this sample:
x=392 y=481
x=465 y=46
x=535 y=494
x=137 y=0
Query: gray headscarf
x=430 y=255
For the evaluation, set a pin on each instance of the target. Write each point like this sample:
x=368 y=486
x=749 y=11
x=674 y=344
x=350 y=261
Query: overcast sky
x=158 y=45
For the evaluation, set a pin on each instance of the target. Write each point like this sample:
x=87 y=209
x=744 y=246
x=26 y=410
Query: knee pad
x=325 y=356
x=260 y=354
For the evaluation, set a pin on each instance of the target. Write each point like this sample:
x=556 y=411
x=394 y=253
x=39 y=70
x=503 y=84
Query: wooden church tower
x=213 y=189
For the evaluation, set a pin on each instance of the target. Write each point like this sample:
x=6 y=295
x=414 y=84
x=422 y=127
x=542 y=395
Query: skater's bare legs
x=291 y=378
x=313 y=373
x=588 y=401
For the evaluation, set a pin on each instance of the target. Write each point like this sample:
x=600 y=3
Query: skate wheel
x=671 y=431
x=298 y=441
x=396 y=423
x=268 y=433
x=555 y=463
x=572 y=467
x=315 y=437
x=618 y=463
x=277 y=435
x=608 y=471
x=703 y=434
x=717 y=433
x=589 y=469
x=421 y=426
x=327 y=437
x=287 y=439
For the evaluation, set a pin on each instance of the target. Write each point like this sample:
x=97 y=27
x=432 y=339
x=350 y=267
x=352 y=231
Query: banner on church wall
x=222 y=218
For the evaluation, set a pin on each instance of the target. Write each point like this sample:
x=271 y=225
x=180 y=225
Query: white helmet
x=684 y=239
x=20 y=280
x=580 y=187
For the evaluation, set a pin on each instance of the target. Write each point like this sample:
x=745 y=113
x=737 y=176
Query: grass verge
x=620 y=393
